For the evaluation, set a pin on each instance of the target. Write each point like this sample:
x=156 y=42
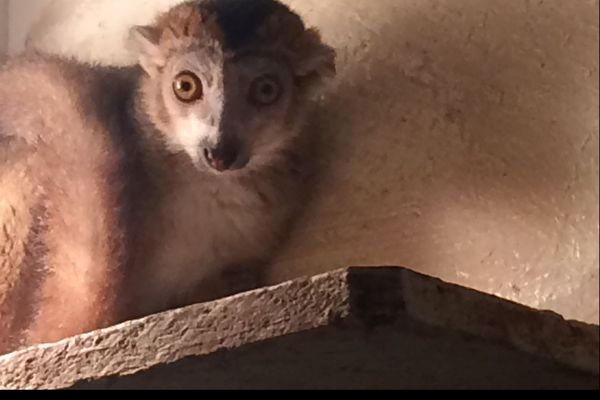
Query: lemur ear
x=313 y=60
x=145 y=41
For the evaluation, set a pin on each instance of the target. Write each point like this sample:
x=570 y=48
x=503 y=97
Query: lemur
x=130 y=191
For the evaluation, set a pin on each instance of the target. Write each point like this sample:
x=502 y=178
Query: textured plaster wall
x=460 y=139
x=3 y=27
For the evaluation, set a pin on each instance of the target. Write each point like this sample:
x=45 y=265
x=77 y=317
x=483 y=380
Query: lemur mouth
x=218 y=164
x=224 y=161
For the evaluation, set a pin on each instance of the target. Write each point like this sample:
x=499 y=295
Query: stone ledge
x=359 y=328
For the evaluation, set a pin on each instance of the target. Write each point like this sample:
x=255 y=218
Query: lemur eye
x=188 y=87
x=265 y=90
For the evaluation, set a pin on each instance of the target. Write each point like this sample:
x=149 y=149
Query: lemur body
x=125 y=192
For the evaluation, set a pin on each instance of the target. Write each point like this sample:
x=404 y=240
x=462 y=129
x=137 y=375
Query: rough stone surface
x=356 y=328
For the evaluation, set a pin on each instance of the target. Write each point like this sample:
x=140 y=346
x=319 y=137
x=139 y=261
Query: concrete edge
x=166 y=338
x=368 y=296
x=542 y=334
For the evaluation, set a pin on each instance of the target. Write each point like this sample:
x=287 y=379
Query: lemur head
x=228 y=81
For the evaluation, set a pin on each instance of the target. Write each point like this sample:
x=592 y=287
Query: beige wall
x=461 y=139
x=22 y=14
x=95 y=29
x=3 y=26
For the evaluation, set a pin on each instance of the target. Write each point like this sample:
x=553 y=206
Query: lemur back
x=62 y=188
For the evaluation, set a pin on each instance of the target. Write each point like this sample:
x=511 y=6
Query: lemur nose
x=221 y=158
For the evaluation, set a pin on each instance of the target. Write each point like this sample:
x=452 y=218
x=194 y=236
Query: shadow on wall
x=3 y=28
x=462 y=141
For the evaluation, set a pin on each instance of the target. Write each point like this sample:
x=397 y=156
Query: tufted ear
x=145 y=40
x=313 y=61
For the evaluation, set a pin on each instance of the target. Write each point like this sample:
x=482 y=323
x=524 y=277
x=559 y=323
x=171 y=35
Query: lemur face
x=228 y=81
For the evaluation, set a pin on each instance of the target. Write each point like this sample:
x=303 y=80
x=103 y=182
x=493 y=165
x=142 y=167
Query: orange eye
x=188 y=87
x=265 y=90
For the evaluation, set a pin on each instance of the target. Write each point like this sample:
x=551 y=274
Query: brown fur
x=100 y=220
